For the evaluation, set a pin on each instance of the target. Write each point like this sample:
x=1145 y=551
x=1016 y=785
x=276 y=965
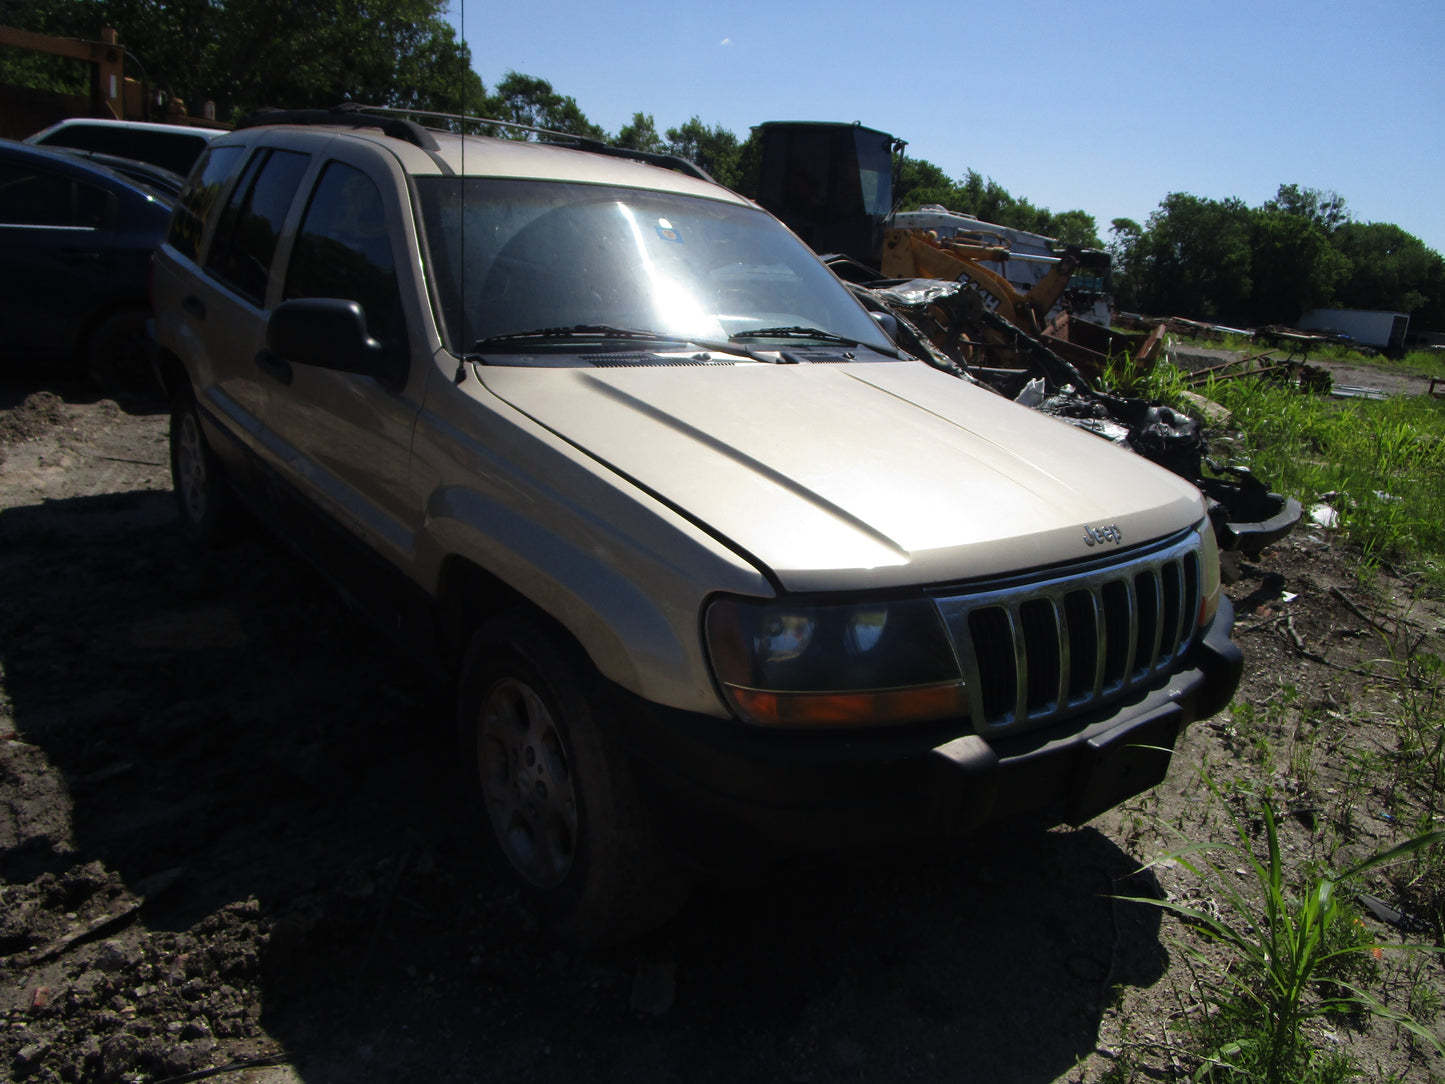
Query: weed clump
x=1295 y=953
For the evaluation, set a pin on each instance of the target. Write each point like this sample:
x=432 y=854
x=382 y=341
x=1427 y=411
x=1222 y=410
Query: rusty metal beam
x=106 y=58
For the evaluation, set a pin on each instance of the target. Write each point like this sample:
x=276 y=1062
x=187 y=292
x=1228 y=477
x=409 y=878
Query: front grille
x=1036 y=651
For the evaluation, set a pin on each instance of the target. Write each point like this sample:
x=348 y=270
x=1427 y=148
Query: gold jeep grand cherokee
x=719 y=573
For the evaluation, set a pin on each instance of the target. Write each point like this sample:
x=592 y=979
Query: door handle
x=194 y=305
x=274 y=366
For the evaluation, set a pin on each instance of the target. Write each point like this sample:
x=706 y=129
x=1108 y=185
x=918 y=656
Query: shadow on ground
x=136 y=396
x=226 y=738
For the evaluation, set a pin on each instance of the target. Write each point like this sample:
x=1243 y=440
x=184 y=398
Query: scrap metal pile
x=978 y=327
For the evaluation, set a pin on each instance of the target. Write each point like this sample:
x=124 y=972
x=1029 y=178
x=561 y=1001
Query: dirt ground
x=230 y=846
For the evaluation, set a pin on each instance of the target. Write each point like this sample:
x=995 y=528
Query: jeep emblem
x=1094 y=536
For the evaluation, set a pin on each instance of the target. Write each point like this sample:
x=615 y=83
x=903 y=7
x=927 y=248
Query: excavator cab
x=832 y=183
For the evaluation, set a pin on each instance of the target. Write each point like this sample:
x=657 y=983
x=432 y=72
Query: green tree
x=244 y=54
x=1127 y=256
x=921 y=182
x=1221 y=260
x=1294 y=266
x=1392 y=270
x=715 y=149
x=985 y=199
x=641 y=135
x=526 y=99
x=749 y=166
x=1073 y=228
x=1194 y=257
x=1325 y=209
x=38 y=71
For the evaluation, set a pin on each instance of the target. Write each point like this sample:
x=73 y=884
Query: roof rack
x=392 y=121
x=346 y=115
x=562 y=139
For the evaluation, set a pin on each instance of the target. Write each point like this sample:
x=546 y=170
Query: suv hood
x=856 y=475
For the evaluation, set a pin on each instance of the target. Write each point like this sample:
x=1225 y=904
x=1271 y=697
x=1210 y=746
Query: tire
x=553 y=789
x=205 y=501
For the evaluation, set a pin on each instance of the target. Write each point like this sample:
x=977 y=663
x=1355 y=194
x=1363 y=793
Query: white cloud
x=726 y=41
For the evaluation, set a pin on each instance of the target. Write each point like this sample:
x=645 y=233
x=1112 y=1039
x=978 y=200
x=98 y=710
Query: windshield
x=512 y=256
x=875 y=171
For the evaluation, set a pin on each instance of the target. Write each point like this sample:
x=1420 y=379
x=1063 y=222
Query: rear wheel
x=205 y=501
x=555 y=791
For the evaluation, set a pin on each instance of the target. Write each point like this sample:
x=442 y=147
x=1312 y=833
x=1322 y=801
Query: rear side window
x=200 y=198
x=31 y=197
x=343 y=249
x=251 y=222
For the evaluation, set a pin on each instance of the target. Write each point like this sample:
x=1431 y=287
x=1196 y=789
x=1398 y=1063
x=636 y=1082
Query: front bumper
x=728 y=793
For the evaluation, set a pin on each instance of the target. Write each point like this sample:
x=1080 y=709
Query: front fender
x=634 y=608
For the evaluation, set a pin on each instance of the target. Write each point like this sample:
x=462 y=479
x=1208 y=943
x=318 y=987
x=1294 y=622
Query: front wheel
x=554 y=788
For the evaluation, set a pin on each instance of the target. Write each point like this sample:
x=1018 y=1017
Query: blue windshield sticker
x=666 y=232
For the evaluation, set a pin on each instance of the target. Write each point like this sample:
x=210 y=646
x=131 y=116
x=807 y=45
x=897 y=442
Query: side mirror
x=888 y=322
x=326 y=332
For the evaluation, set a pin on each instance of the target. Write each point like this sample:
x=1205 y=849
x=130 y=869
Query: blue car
x=75 y=246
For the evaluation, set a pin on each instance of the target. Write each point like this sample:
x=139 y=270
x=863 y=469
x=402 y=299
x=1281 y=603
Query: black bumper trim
x=727 y=791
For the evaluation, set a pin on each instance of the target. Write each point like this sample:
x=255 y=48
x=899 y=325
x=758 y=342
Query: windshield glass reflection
x=512 y=256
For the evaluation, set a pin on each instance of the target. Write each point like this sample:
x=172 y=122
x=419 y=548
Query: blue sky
x=1105 y=107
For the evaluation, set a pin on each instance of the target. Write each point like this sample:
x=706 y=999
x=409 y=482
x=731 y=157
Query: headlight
x=864 y=664
x=1208 y=573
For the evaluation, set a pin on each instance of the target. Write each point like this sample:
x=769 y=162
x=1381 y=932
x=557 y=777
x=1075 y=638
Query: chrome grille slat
x=1061 y=631
x=1036 y=651
x=1152 y=613
x=1101 y=644
x=1021 y=665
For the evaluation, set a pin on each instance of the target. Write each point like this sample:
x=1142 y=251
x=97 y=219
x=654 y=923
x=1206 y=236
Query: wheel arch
x=91 y=334
x=171 y=372
x=469 y=597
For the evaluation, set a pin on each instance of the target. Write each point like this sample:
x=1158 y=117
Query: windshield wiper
x=608 y=331
x=794 y=331
x=800 y=331
x=576 y=331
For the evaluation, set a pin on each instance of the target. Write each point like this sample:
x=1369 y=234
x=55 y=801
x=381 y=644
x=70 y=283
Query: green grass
x=1292 y=953
x=1420 y=724
x=1279 y=951
x=1379 y=464
x=1423 y=362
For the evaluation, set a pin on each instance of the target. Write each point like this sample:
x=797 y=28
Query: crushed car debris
x=1018 y=313
x=947 y=324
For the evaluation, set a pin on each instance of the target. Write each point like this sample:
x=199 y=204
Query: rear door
x=231 y=229
x=57 y=256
